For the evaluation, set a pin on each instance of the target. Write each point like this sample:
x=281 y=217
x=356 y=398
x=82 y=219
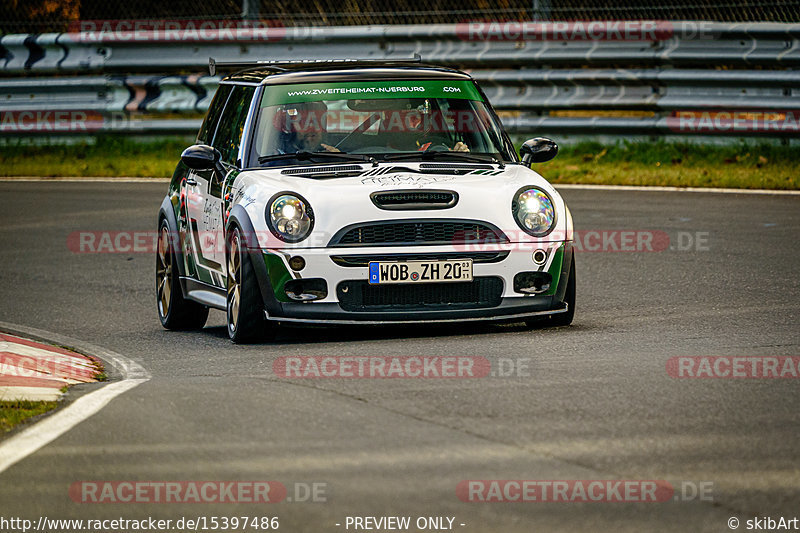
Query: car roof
x=279 y=75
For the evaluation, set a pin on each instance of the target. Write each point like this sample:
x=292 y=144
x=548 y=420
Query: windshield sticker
x=369 y=90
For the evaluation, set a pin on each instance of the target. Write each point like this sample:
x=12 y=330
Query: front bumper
x=333 y=314
x=273 y=271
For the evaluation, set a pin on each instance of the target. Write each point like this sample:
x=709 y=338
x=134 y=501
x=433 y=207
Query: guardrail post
x=541 y=10
x=251 y=9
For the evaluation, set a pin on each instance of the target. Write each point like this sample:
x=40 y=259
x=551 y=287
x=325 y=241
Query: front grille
x=407 y=200
x=356 y=260
x=479 y=293
x=407 y=233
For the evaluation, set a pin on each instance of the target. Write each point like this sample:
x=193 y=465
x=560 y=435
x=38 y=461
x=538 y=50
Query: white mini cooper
x=360 y=193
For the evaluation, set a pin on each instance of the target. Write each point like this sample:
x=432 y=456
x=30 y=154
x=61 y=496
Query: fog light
x=297 y=263
x=539 y=257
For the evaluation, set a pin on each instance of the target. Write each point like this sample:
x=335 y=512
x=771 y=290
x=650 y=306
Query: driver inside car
x=429 y=131
x=303 y=127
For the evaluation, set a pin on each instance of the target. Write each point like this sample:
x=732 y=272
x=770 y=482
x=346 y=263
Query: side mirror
x=203 y=157
x=200 y=157
x=538 y=150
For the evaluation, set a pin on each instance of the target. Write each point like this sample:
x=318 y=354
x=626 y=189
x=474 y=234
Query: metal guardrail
x=673 y=69
x=525 y=90
x=155 y=94
x=679 y=43
x=657 y=90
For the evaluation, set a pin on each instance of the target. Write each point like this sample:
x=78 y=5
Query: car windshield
x=448 y=119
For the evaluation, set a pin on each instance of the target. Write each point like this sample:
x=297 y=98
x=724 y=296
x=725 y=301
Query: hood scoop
x=414 y=199
x=338 y=171
x=441 y=168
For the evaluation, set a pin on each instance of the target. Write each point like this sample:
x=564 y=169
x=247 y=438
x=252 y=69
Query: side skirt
x=203 y=293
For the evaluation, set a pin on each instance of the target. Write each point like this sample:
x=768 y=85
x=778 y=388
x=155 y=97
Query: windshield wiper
x=310 y=156
x=466 y=156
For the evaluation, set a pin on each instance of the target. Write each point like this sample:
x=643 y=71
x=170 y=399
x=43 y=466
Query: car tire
x=174 y=311
x=560 y=319
x=244 y=309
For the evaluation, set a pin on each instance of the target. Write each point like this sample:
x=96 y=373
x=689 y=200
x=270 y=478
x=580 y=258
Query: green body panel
x=191 y=267
x=555 y=270
x=203 y=275
x=278 y=275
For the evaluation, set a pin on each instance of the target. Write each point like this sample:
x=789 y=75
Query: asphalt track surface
x=596 y=401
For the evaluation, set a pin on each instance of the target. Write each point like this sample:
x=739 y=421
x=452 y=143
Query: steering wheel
x=361 y=128
x=437 y=148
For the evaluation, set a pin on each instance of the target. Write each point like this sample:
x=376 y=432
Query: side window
x=231 y=125
x=212 y=117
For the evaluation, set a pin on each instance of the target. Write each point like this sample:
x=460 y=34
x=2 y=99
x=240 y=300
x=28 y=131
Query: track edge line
x=43 y=432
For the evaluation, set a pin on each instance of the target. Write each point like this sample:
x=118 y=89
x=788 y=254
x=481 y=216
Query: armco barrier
x=658 y=77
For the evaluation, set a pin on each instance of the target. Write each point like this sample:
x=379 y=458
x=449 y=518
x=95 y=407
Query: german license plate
x=420 y=271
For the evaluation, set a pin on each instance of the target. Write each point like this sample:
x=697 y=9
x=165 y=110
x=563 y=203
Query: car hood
x=484 y=194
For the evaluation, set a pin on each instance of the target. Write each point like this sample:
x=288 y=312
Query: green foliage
x=17 y=411
x=679 y=164
x=109 y=156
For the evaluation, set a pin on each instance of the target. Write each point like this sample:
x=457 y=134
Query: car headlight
x=534 y=211
x=290 y=217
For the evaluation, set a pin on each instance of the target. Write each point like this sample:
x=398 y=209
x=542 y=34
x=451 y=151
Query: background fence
x=605 y=75
x=39 y=16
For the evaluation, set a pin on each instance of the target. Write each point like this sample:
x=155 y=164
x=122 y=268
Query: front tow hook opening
x=306 y=290
x=532 y=282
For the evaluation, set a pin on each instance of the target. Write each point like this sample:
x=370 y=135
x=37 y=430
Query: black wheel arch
x=239 y=218
x=563 y=279
x=167 y=212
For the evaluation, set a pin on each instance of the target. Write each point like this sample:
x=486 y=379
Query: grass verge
x=114 y=157
x=15 y=412
x=739 y=165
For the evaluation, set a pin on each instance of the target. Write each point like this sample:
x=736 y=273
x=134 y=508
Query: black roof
x=312 y=73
